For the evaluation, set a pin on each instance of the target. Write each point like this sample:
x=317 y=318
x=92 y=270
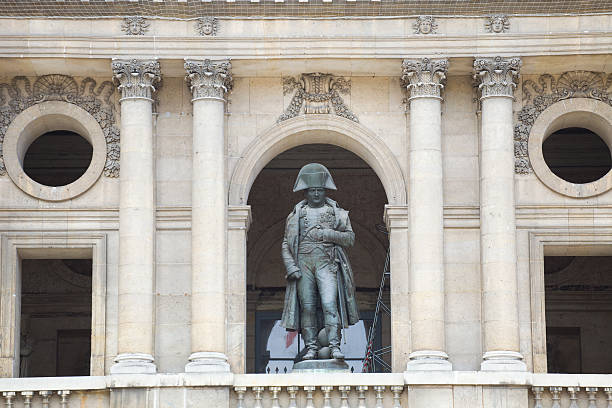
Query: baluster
x=27 y=398
x=292 y=396
x=397 y=395
x=344 y=395
x=240 y=391
x=8 y=398
x=592 y=393
x=45 y=398
x=64 y=398
x=327 y=396
x=309 y=390
x=608 y=391
x=573 y=397
x=258 y=391
x=555 y=391
x=274 y=391
x=380 y=390
x=537 y=396
x=361 y=391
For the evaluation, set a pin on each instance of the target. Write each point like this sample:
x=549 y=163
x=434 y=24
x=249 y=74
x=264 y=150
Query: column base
x=428 y=360
x=207 y=362
x=502 y=361
x=133 y=363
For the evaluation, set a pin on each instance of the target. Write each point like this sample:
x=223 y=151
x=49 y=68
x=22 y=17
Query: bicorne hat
x=314 y=175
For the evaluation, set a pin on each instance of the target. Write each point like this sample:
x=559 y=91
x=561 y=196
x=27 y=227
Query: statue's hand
x=295 y=276
x=317 y=233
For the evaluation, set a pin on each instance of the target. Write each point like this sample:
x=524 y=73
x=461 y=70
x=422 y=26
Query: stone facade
x=197 y=120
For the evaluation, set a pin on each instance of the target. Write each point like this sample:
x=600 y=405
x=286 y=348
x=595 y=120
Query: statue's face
x=315 y=196
x=425 y=27
x=134 y=26
x=207 y=28
x=498 y=25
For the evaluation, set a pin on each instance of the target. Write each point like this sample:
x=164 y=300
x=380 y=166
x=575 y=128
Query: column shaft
x=209 y=82
x=497 y=216
x=426 y=233
x=136 y=217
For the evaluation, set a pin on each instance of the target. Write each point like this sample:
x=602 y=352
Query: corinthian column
x=209 y=81
x=425 y=79
x=496 y=77
x=136 y=216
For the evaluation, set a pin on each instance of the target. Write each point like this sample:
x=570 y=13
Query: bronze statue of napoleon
x=320 y=288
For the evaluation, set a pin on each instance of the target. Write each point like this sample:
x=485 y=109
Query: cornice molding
x=177 y=47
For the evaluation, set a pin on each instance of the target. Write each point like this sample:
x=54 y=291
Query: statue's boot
x=310 y=340
x=333 y=334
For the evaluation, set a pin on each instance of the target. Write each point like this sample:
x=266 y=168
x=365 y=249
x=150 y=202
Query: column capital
x=136 y=77
x=497 y=76
x=209 y=79
x=425 y=77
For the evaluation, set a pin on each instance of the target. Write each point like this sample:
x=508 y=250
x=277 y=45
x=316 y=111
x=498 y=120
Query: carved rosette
x=496 y=76
x=136 y=78
x=424 y=78
x=209 y=79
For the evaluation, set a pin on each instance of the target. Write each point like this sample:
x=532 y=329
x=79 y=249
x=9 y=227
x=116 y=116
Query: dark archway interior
x=57 y=158
x=55 y=317
x=577 y=155
x=271 y=198
x=578 y=305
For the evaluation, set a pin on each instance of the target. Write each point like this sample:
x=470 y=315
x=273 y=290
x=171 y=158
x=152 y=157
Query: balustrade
x=325 y=396
x=571 y=397
x=44 y=398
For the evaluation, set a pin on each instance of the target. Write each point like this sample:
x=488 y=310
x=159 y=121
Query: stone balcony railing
x=411 y=389
x=319 y=390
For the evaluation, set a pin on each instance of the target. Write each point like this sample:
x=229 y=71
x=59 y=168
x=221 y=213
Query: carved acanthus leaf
x=20 y=94
x=496 y=76
x=424 y=78
x=548 y=90
x=317 y=93
x=209 y=79
x=136 y=78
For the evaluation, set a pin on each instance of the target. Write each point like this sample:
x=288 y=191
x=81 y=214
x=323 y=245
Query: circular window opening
x=577 y=155
x=57 y=158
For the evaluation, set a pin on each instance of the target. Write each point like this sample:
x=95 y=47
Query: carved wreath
x=19 y=94
x=547 y=91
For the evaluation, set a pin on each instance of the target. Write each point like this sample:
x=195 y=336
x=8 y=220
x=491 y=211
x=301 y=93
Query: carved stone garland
x=317 y=93
x=548 y=90
x=20 y=94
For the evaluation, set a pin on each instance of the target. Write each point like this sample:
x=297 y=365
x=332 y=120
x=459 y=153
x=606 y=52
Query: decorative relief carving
x=425 y=25
x=317 y=93
x=136 y=78
x=20 y=94
x=134 y=25
x=424 y=78
x=209 y=79
x=496 y=76
x=548 y=90
x=498 y=23
x=207 y=26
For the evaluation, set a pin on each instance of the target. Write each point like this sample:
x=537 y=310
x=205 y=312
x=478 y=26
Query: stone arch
x=318 y=129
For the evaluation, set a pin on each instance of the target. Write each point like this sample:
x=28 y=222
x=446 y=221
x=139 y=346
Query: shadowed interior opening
x=57 y=158
x=577 y=155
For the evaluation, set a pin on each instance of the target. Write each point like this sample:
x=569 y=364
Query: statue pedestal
x=321 y=366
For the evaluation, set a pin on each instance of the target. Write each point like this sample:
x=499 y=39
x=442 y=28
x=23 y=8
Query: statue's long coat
x=291 y=311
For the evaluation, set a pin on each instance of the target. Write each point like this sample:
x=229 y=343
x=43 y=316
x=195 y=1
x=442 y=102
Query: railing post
x=27 y=398
x=537 y=396
x=397 y=395
x=555 y=391
x=292 y=396
x=573 y=398
x=344 y=394
x=45 y=398
x=8 y=398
